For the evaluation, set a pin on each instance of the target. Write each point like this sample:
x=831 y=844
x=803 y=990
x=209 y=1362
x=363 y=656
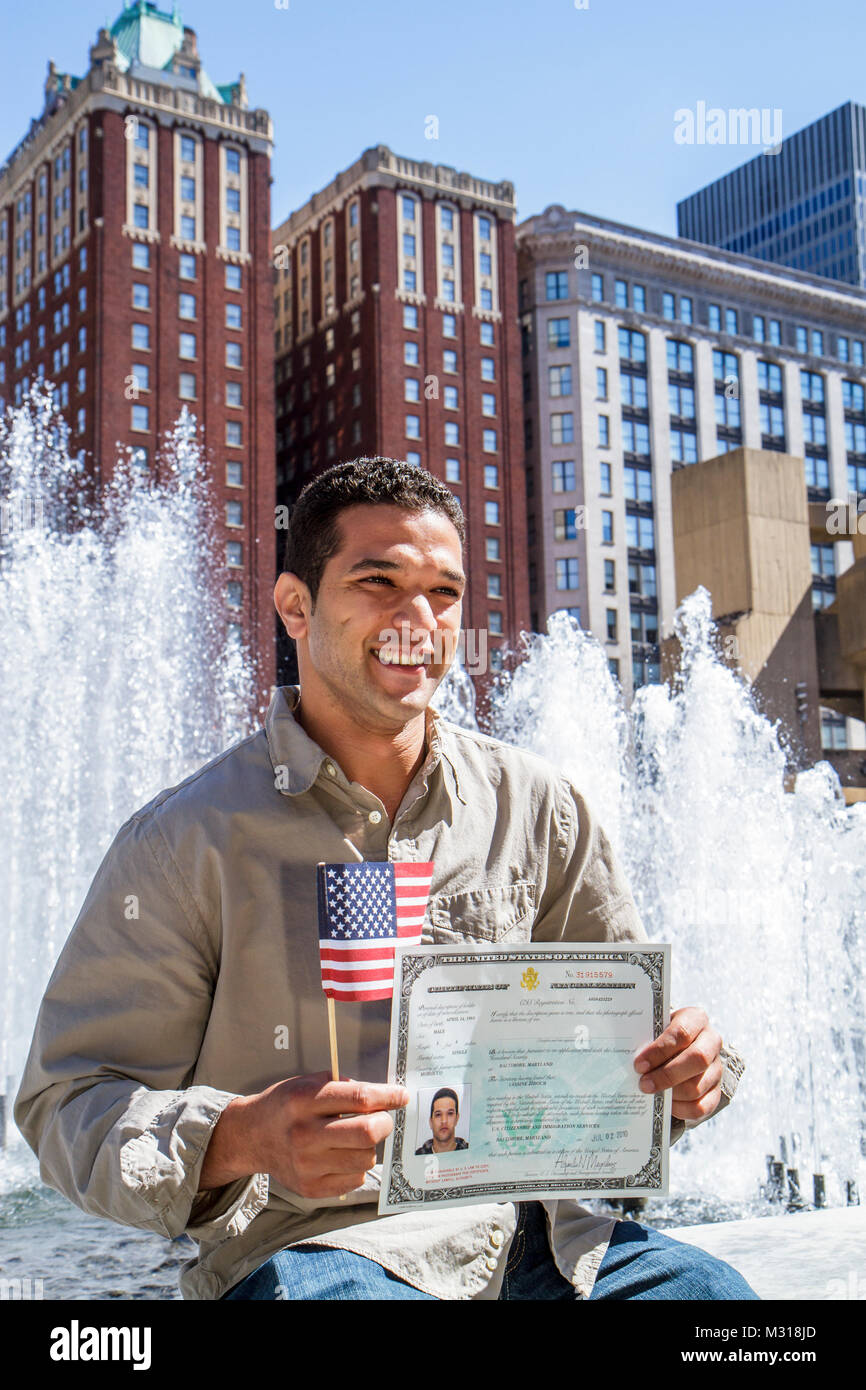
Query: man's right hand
x=314 y=1136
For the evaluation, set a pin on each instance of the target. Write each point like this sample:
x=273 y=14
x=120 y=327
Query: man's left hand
x=685 y=1057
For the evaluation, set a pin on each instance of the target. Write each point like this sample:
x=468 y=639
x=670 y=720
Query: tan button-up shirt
x=192 y=976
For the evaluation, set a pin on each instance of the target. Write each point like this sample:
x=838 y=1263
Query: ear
x=294 y=604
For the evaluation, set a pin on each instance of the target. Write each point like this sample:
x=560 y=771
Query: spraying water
x=116 y=680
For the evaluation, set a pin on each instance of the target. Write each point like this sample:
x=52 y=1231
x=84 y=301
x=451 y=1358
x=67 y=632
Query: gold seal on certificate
x=519 y=1064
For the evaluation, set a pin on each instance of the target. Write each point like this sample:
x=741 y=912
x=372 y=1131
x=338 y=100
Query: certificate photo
x=447 y=1128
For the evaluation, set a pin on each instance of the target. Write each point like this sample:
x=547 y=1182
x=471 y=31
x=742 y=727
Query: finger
x=335 y=1184
x=358 y=1131
x=698 y=1086
x=697 y=1109
x=358 y=1098
x=694 y=1061
x=685 y=1025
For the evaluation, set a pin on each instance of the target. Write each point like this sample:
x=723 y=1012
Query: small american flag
x=364 y=911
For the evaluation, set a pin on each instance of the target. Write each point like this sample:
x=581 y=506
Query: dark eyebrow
x=372 y=564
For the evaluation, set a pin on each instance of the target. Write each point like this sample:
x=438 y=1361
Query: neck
x=382 y=762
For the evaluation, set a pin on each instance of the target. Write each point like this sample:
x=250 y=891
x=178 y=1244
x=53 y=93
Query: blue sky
x=574 y=106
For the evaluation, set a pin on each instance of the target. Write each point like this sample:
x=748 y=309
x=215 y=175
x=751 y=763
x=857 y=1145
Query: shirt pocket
x=484 y=914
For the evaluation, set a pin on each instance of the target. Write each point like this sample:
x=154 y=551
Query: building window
x=558 y=333
x=833 y=730
x=567 y=572
x=714 y=318
x=488 y=403
x=233 y=316
x=186 y=306
x=680 y=356
x=233 y=393
x=410 y=315
x=669 y=305
x=491 y=513
x=598 y=287
x=140 y=297
x=449 y=360
x=491 y=475
x=564 y=524
x=410 y=355
x=559 y=381
x=411 y=389
x=141 y=417
x=452 y=433
x=489 y=441
x=620 y=294
x=639 y=532
x=141 y=374
x=141 y=337
x=562 y=428
x=488 y=369
x=452 y=470
x=140 y=255
x=607 y=527
x=186 y=386
x=606 y=488
x=611 y=624
x=563 y=475
x=450 y=398
x=234 y=514
x=684 y=446
x=731 y=322
x=603 y=431
x=233 y=354
x=639 y=298
x=187 y=346
x=413 y=427
x=234 y=554
x=556 y=284
x=492 y=548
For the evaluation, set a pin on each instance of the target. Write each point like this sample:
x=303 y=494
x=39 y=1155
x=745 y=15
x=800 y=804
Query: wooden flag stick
x=332 y=1035
x=335 y=1063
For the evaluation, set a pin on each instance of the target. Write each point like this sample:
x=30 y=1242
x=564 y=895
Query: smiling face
x=384 y=628
x=443 y=1120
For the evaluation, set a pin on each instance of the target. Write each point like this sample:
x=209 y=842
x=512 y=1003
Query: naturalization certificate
x=519 y=1064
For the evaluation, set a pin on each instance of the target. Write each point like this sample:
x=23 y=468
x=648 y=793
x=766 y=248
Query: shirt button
x=496 y=1237
x=490 y=1262
x=330 y=769
x=374 y=817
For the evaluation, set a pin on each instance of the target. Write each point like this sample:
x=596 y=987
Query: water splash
x=116 y=678
x=759 y=889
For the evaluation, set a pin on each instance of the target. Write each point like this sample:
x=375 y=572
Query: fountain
x=115 y=679
x=116 y=682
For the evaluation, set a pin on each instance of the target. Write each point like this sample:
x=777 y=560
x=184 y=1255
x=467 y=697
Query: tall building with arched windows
x=135 y=274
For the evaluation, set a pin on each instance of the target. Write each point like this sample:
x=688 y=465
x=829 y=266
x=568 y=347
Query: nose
x=413 y=612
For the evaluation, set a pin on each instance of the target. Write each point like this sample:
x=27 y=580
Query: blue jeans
x=638 y=1263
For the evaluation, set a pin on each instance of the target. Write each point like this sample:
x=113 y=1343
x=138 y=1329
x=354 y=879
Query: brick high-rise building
x=396 y=333
x=135 y=273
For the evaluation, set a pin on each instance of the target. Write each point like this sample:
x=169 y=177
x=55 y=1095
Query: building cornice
x=712 y=269
x=379 y=167
x=106 y=88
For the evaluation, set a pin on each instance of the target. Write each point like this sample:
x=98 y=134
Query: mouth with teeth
x=411 y=662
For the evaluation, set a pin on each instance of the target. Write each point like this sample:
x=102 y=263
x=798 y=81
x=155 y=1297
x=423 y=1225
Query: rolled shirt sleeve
x=104 y=1100
x=588 y=898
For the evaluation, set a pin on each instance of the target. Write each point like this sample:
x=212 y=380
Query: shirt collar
x=298 y=760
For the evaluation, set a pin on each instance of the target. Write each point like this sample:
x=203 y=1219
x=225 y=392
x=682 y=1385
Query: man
x=444 y=1114
x=175 y=1077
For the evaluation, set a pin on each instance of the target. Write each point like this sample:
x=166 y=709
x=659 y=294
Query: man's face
x=394 y=588
x=443 y=1120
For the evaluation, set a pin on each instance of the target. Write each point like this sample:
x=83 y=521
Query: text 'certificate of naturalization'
x=520 y=1067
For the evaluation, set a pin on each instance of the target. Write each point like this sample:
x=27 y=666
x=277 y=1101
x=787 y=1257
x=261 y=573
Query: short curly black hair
x=313 y=534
